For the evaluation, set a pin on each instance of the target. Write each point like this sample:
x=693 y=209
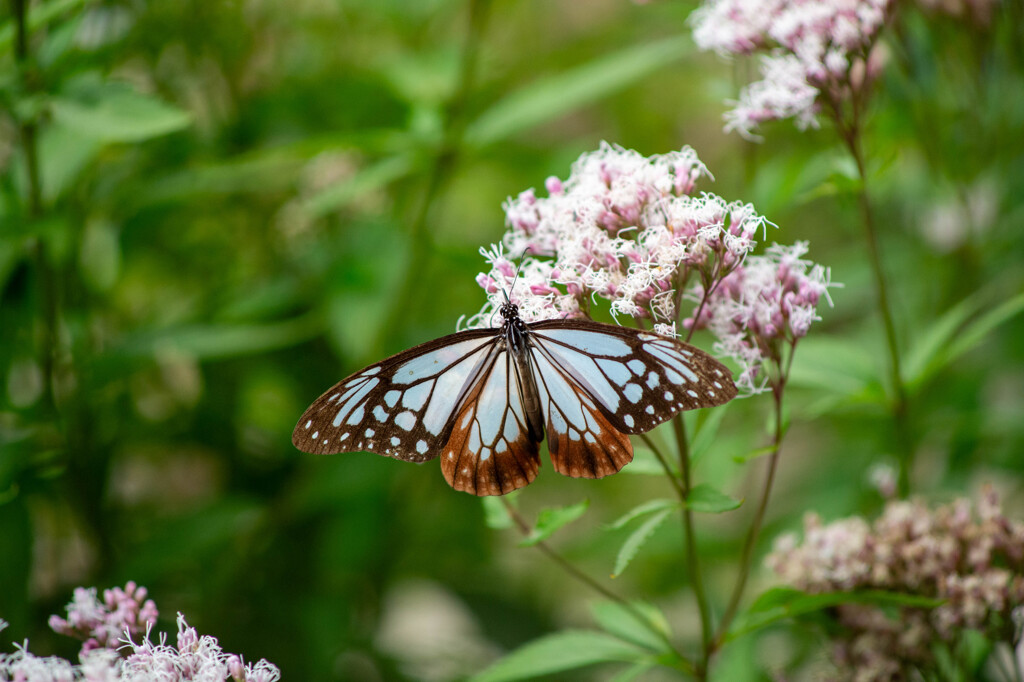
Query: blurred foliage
x=212 y=211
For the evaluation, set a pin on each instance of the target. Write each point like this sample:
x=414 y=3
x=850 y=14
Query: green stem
x=755 y=527
x=445 y=161
x=671 y=475
x=684 y=664
x=850 y=130
x=692 y=560
x=28 y=132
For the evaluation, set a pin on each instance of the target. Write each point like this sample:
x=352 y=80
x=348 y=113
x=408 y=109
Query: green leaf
x=645 y=463
x=706 y=498
x=923 y=357
x=111 y=112
x=780 y=603
x=637 y=539
x=633 y=672
x=38 y=16
x=976 y=331
x=496 y=514
x=371 y=178
x=566 y=650
x=754 y=454
x=63 y=153
x=551 y=519
x=552 y=96
x=219 y=341
x=649 y=628
x=705 y=434
x=640 y=510
x=846 y=367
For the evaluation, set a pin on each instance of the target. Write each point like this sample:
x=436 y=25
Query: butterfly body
x=482 y=400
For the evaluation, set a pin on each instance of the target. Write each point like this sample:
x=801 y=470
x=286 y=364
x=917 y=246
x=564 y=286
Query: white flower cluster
x=111 y=655
x=812 y=47
x=973 y=561
x=623 y=227
x=765 y=302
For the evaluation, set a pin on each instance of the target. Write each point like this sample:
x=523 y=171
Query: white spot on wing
x=406 y=420
x=636 y=366
x=380 y=414
x=633 y=392
x=653 y=379
x=629 y=420
x=391 y=398
x=421 y=446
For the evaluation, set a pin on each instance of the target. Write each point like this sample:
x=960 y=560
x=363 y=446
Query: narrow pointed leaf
x=708 y=499
x=645 y=463
x=566 y=650
x=705 y=435
x=637 y=539
x=113 y=113
x=648 y=629
x=496 y=515
x=975 y=332
x=552 y=96
x=648 y=507
x=550 y=520
x=781 y=603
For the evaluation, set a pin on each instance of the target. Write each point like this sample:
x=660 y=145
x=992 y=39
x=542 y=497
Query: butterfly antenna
x=518 y=270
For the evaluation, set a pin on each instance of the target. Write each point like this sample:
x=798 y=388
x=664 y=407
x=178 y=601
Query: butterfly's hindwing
x=638 y=379
x=491 y=450
x=401 y=407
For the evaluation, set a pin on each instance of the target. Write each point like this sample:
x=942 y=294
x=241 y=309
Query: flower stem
x=690 y=547
x=750 y=543
x=445 y=160
x=850 y=130
x=28 y=132
x=684 y=664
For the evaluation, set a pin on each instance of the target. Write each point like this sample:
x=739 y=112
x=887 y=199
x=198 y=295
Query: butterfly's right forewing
x=402 y=407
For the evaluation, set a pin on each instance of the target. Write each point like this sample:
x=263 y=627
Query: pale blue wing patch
x=401 y=407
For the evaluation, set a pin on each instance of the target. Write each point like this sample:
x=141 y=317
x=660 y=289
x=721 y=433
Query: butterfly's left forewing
x=403 y=406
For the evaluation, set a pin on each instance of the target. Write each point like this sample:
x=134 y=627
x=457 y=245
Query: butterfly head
x=509 y=311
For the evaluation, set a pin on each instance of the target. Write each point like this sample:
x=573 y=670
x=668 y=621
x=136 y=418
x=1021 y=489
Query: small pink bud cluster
x=972 y=561
x=195 y=658
x=102 y=625
x=766 y=302
x=812 y=48
x=111 y=653
x=623 y=227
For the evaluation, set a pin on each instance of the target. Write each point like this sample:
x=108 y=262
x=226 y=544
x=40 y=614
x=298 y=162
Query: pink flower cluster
x=102 y=625
x=623 y=227
x=111 y=653
x=813 y=47
x=973 y=560
x=765 y=303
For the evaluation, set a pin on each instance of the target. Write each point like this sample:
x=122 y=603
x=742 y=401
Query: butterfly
x=483 y=399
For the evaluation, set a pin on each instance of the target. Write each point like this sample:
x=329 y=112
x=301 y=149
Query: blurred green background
x=211 y=211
